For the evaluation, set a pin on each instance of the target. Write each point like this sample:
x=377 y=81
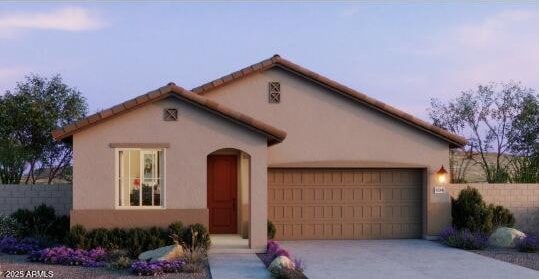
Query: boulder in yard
x=505 y=237
x=279 y=263
x=166 y=253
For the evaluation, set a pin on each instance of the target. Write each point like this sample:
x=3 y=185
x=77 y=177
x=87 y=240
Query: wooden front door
x=222 y=193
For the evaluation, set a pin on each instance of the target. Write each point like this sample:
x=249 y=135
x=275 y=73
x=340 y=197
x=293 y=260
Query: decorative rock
x=505 y=237
x=279 y=263
x=165 y=253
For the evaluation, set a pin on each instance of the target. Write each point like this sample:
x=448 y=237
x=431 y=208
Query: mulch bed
x=14 y=262
x=529 y=260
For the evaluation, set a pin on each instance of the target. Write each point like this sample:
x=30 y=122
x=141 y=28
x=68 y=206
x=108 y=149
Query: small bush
x=470 y=212
x=11 y=245
x=194 y=260
x=271 y=252
x=117 y=238
x=77 y=237
x=121 y=262
x=136 y=241
x=464 y=239
x=157 y=237
x=274 y=250
x=283 y=252
x=176 y=229
x=143 y=268
x=66 y=256
x=271 y=230
x=98 y=238
x=501 y=216
x=8 y=226
x=196 y=237
x=528 y=244
x=41 y=223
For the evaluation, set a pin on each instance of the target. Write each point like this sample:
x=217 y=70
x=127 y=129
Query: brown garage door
x=345 y=203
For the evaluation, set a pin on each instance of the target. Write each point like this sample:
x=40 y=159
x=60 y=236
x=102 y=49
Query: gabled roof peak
x=277 y=61
x=273 y=134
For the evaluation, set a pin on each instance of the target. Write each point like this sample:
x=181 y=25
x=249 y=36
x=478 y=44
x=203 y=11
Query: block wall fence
x=15 y=196
x=521 y=199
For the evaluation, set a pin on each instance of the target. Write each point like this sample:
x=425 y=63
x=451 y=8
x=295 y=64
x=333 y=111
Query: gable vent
x=274 y=92
x=171 y=114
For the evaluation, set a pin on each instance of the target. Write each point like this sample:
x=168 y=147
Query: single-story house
x=271 y=141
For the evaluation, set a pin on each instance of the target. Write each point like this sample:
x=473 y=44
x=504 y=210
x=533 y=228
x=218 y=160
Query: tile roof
x=273 y=134
x=277 y=61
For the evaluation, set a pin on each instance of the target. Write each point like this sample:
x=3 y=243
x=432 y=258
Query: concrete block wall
x=521 y=199
x=15 y=196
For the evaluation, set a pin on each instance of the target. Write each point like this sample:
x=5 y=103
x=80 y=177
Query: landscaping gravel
x=529 y=260
x=13 y=262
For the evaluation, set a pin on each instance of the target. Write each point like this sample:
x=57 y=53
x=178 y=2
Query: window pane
x=139 y=177
x=134 y=196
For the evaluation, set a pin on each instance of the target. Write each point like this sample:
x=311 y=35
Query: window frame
x=117 y=179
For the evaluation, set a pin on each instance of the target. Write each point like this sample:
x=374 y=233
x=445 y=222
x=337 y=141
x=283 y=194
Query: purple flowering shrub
x=67 y=256
x=271 y=252
x=11 y=245
x=144 y=268
x=275 y=250
x=529 y=243
x=464 y=239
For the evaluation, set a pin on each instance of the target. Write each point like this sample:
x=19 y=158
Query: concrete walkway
x=386 y=259
x=237 y=266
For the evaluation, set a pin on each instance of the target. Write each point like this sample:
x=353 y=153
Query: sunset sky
x=400 y=54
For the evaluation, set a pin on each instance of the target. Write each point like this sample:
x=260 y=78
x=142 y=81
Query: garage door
x=345 y=203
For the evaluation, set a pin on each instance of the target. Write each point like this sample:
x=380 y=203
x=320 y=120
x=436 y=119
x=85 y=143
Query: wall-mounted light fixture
x=441 y=176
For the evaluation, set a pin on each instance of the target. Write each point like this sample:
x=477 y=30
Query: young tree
x=36 y=107
x=487 y=115
x=524 y=141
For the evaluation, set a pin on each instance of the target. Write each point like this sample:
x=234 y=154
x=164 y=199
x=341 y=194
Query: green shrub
x=41 y=223
x=119 y=259
x=501 y=216
x=117 y=238
x=137 y=240
x=176 y=229
x=98 y=238
x=8 y=226
x=77 y=237
x=157 y=237
x=470 y=212
x=195 y=237
x=271 y=230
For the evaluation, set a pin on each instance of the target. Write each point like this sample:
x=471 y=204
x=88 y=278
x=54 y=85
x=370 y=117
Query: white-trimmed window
x=140 y=180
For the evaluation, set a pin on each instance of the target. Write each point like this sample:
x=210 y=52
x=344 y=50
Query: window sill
x=138 y=207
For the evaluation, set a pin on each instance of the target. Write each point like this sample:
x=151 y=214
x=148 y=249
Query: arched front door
x=222 y=193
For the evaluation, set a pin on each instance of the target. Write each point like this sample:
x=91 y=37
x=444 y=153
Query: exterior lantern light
x=441 y=176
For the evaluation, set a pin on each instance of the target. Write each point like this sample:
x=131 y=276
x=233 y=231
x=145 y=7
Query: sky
x=401 y=54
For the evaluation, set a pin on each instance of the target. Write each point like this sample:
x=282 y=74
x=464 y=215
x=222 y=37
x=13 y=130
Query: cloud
x=72 y=19
x=501 y=47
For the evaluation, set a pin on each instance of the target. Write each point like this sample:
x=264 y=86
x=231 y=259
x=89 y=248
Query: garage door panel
x=345 y=204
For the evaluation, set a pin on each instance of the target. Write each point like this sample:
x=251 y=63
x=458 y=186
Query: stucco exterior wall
x=196 y=134
x=325 y=127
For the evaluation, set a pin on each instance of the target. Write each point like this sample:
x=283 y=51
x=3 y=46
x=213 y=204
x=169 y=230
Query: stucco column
x=259 y=202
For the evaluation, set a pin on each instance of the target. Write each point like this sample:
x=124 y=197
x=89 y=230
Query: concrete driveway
x=386 y=259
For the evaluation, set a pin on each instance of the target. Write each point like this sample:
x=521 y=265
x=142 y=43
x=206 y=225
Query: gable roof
x=273 y=134
x=277 y=61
